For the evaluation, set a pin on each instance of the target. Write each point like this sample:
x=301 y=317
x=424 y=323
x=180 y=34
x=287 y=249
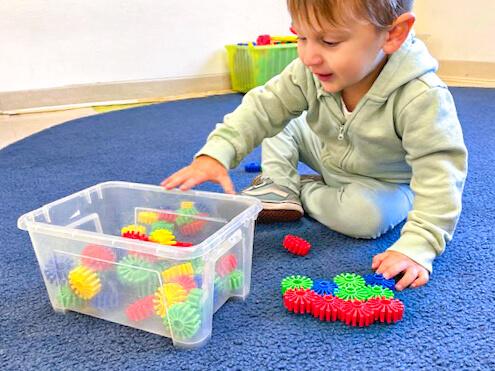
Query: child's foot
x=280 y=204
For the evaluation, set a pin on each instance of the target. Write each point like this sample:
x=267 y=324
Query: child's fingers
x=226 y=184
x=175 y=179
x=392 y=268
x=377 y=259
x=192 y=181
x=408 y=278
x=422 y=279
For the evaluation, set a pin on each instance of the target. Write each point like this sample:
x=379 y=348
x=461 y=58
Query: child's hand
x=391 y=263
x=202 y=169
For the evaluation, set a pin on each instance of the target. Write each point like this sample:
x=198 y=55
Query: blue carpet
x=448 y=324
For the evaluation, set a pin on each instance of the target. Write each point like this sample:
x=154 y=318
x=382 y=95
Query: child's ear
x=398 y=32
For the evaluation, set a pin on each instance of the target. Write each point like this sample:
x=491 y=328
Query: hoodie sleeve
x=435 y=150
x=263 y=113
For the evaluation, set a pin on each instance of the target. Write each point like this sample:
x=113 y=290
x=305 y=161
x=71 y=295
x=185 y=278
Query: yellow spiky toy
x=185 y=269
x=147 y=217
x=84 y=282
x=163 y=237
x=166 y=296
x=133 y=228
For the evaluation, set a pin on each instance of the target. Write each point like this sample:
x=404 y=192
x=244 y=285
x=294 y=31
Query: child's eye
x=301 y=38
x=331 y=43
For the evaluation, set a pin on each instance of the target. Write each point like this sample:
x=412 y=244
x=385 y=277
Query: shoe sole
x=275 y=216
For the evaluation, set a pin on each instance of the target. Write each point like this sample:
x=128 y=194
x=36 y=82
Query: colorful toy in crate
x=350 y=298
x=142 y=289
x=147 y=217
x=141 y=285
x=98 y=258
x=252 y=65
x=274 y=40
x=84 y=282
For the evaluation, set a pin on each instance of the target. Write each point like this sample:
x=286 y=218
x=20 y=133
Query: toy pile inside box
x=161 y=261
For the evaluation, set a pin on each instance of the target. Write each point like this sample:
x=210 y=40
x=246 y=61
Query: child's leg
x=281 y=153
x=364 y=209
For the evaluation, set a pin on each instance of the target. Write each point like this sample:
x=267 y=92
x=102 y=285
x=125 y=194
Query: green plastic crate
x=252 y=66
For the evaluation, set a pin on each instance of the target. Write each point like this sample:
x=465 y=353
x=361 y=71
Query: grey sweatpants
x=356 y=206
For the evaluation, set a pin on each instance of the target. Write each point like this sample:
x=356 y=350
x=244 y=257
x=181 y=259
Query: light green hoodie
x=404 y=130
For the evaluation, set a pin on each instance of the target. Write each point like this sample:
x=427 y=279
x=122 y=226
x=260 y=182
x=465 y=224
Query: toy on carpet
x=347 y=298
x=296 y=245
x=252 y=167
x=296 y=282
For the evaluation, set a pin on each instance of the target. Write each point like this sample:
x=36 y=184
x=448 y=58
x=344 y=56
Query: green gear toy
x=296 y=282
x=184 y=320
x=68 y=299
x=378 y=291
x=346 y=279
x=235 y=280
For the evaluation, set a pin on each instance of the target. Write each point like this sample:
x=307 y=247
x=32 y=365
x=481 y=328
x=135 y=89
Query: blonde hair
x=338 y=13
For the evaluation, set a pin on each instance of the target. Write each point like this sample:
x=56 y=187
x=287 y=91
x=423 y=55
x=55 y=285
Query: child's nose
x=310 y=55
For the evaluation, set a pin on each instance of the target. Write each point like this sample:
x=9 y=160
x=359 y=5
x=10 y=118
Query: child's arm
x=202 y=169
x=264 y=112
x=432 y=138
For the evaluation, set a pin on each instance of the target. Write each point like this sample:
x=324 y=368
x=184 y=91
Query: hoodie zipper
x=341 y=131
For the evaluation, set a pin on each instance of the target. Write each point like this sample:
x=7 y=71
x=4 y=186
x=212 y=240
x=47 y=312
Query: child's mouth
x=324 y=77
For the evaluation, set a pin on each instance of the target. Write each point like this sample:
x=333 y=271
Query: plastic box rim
x=26 y=222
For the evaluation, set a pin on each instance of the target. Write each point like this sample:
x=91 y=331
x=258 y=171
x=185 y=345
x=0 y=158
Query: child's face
x=345 y=59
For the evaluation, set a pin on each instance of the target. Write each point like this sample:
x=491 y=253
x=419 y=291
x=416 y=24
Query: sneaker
x=280 y=204
x=308 y=178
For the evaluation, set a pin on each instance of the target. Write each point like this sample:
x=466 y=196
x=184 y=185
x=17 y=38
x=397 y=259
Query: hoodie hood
x=411 y=61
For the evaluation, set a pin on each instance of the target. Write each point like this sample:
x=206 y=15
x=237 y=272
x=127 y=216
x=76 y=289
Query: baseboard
x=127 y=92
x=454 y=73
x=467 y=73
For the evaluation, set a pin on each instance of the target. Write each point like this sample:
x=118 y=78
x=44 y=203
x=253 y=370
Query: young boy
x=362 y=106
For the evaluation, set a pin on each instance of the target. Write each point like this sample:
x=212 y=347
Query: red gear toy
x=98 y=258
x=135 y=236
x=183 y=244
x=194 y=227
x=386 y=310
x=299 y=300
x=187 y=282
x=167 y=216
x=141 y=309
x=296 y=245
x=357 y=313
x=327 y=308
x=226 y=265
x=263 y=40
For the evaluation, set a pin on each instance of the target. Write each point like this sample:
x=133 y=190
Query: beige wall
x=460 y=30
x=54 y=43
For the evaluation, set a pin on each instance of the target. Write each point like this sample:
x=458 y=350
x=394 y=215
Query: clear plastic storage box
x=161 y=261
